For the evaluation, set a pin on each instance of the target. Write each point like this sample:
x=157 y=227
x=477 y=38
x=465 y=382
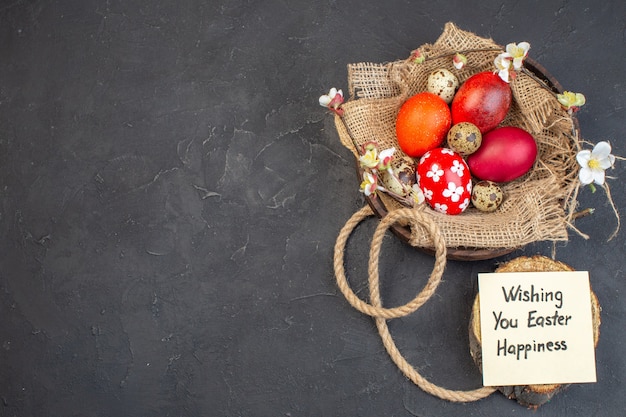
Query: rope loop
x=375 y=309
x=414 y=217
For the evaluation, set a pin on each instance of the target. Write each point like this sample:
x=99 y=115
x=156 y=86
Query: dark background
x=171 y=192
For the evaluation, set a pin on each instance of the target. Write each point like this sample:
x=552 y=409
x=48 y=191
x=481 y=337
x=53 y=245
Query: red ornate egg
x=445 y=180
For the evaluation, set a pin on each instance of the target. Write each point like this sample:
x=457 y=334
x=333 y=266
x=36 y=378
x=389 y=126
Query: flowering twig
x=571 y=101
x=373 y=163
x=583 y=213
x=333 y=101
x=417 y=56
x=422 y=57
x=459 y=61
x=593 y=164
x=377 y=167
x=511 y=60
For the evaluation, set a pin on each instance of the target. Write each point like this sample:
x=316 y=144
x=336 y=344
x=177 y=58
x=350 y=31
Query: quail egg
x=404 y=171
x=465 y=138
x=487 y=196
x=443 y=83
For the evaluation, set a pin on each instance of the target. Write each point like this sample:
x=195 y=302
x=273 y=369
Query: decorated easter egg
x=483 y=100
x=506 y=153
x=422 y=123
x=445 y=180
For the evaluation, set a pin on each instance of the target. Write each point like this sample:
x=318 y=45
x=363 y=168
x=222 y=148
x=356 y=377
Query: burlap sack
x=537 y=206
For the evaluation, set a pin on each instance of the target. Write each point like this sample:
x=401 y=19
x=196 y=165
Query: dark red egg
x=506 y=153
x=483 y=99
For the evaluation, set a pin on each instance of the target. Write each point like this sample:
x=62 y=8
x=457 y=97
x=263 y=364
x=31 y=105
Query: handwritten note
x=536 y=328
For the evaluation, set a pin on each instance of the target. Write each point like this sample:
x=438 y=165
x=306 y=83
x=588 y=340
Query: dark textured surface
x=171 y=193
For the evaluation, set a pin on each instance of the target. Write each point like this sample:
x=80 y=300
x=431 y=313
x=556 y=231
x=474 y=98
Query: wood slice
x=528 y=395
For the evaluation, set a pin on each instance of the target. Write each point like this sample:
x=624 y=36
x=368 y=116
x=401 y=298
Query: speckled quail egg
x=465 y=138
x=443 y=83
x=487 y=196
x=404 y=170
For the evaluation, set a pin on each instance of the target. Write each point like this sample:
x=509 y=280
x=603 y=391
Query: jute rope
x=381 y=314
